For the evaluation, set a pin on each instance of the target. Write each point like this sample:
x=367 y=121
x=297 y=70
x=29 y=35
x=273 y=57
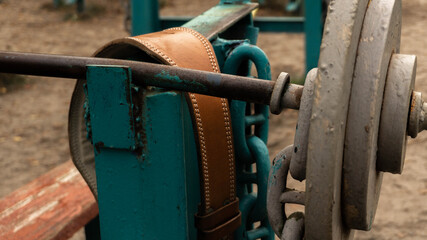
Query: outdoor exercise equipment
x=355 y=113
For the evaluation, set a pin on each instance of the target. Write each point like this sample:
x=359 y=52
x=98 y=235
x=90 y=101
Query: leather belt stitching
x=203 y=151
x=193 y=98
x=154 y=49
x=225 y=110
x=229 y=148
x=226 y=119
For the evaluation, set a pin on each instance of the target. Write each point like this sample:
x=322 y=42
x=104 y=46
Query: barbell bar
x=248 y=89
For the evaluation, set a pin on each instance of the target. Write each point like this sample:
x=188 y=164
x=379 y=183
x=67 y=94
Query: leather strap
x=226 y=216
x=219 y=214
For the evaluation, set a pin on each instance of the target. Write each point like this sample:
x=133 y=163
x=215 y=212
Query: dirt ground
x=33 y=117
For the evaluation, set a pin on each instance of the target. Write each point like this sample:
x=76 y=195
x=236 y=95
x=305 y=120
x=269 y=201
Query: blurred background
x=34 y=110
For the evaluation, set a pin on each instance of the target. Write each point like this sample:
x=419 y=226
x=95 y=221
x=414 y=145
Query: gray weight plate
x=299 y=155
x=392 y=134
x=361 y=181
x=328 y=120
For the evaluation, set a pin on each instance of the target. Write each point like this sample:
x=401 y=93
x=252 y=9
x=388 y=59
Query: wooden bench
x=53 y=206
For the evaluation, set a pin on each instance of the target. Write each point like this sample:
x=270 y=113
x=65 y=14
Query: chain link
x=250 y=130
x=278 y=195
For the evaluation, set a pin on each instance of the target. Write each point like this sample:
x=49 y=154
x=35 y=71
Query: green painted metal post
x=145 y=16
x=313 y=28
x=146 y=159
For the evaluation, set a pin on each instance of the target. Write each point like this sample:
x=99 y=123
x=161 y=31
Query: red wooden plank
x=54 y=206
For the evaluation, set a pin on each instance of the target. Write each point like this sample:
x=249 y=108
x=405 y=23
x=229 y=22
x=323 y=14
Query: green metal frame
x=145 y=19
x=146 y=192
x=145 y=153
x=147 y=173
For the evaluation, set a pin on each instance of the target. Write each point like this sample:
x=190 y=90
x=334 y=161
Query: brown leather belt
x=219 y=213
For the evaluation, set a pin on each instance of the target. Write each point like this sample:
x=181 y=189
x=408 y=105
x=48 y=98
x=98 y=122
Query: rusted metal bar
x=148 y=74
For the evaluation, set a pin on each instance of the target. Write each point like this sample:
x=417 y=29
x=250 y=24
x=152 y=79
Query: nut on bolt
x=417 y=114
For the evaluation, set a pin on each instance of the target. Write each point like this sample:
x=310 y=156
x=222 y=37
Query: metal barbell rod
x=417 y=121
x=149 y=74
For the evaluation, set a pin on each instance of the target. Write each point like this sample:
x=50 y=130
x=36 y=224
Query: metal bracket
x=112 y=127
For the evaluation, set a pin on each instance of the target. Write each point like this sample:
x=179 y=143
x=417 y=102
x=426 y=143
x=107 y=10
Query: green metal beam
x=265 y=24
x=280 y=24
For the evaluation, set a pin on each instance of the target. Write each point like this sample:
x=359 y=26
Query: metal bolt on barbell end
x=285 y=94
x=417 y=114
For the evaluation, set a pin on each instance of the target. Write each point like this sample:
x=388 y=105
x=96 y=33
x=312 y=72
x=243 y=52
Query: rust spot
x=412 y=104
x=367 y=128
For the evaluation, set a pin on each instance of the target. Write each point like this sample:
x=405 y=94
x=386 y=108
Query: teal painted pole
x=313 y=27
x=145 y=16
x=146 y=159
